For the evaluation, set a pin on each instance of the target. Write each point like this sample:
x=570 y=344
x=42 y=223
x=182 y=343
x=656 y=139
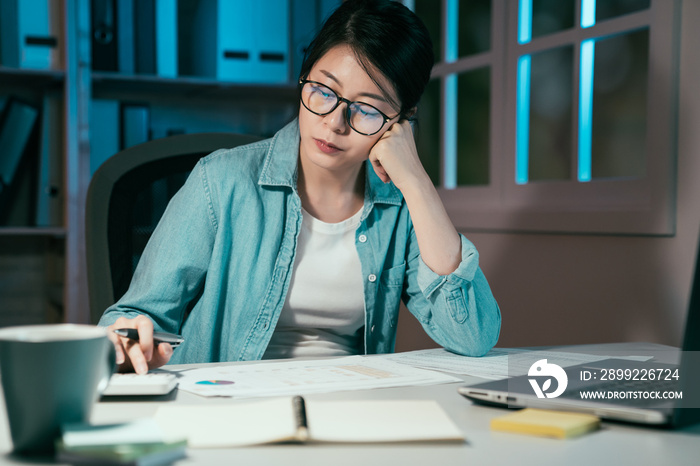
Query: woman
x=297 y=245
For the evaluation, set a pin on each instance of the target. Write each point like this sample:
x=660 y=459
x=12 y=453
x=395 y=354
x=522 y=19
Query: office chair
x=125 y=200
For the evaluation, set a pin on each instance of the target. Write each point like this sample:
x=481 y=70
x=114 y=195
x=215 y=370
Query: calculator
x=152 y=383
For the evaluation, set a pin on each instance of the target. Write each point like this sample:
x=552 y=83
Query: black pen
x=158 y=337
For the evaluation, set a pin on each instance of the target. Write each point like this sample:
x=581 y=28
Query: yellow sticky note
x=546 y=423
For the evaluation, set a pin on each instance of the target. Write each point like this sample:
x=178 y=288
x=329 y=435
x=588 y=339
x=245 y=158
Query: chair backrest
x=126 y=198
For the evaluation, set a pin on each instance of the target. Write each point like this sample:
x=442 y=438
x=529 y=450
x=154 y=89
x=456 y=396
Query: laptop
x=640 y=392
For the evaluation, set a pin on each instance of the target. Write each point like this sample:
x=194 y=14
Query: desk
x=614 y=444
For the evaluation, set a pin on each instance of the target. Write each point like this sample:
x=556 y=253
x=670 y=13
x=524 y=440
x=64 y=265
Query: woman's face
x=327 y=141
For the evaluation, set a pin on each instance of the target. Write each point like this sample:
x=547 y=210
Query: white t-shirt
x=324 y=311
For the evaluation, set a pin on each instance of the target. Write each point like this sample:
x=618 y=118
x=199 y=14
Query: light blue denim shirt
x=218 y=266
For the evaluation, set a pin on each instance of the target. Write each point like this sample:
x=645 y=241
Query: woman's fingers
x=138 y=360
x=379 y=170
x=161 y=355
x=118 y=349
x=144 y=325
x=394 y=156
x=134 y=354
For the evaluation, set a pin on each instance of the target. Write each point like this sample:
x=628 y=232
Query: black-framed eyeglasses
x=321 y=100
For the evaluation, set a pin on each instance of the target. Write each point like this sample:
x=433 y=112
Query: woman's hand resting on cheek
x=395 y=157
x=138 y=356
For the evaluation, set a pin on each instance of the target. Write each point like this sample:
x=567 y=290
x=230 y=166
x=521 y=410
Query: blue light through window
x=585 y=106
x=451 y=54
x=587 y=13
x=585 y=110
x=522 y=117
x=450 y=151
x=525 y=21
x=522 y=136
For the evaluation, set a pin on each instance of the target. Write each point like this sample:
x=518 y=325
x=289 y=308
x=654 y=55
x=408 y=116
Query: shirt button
x=372 y=277
x=362 y=238
x=372 y=329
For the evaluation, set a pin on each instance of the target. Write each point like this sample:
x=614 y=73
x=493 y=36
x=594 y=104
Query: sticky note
x=557 y=424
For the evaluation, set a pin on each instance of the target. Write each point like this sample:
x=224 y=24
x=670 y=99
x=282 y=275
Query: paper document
x=302 y=377
x=499 y=363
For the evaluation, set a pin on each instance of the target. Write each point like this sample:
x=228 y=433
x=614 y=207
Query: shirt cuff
x=429 y=281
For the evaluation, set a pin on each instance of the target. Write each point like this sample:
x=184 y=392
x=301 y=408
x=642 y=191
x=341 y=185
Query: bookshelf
x=108 y=85
x=18 y=78
x=43 y=276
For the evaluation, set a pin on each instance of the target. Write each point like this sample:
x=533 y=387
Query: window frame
x=644 y=206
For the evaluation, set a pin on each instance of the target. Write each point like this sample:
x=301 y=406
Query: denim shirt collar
x=281 y=160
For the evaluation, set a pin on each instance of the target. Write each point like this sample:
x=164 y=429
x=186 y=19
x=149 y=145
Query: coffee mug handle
x=110 y=368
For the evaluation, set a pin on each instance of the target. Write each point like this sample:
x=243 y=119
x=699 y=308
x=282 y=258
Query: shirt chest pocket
x=393 y=277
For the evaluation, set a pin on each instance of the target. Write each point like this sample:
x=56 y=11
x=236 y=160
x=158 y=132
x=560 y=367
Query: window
x=552 y=115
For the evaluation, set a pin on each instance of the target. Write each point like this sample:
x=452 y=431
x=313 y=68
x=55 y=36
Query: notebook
x=138 y=443
x=613 y=389
x=294 y=419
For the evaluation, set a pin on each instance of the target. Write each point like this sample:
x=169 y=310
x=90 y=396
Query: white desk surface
x=615 y=443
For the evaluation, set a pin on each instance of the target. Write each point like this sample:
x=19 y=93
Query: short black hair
x=385 y=35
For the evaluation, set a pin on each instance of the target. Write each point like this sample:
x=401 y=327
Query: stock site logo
x=543 y=369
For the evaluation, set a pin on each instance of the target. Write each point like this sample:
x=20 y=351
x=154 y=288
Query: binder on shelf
x=30 y=34
x=307 y=18
x=50 y=194
x=248 y=44
x=104 y=35
x=125 y=36
x=199 y=45
x=145 y=37
x=104 y=131
x=166 y=38
x=17 y=125
x=304 y=27
x=155 y=37
x=135 y=124
x=271 y=41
